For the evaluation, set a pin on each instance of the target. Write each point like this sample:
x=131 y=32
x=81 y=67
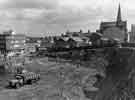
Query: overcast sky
x=41 y=16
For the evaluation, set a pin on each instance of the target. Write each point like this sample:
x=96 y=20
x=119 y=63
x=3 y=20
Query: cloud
x=41 y=16
x=21 y=4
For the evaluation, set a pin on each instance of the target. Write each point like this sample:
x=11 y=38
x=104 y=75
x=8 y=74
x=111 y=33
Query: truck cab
x=17 y=82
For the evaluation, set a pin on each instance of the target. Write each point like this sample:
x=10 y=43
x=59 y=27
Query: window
x=16 y=41
x=16 y=46
x=12 y=41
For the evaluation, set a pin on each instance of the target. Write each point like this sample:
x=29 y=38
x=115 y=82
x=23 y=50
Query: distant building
x=33 y=39
x=45 y=44
x=86 y=34
x=9 y=32
x=77 y=42
x=95 y=38
x=3 y=36
x=74 y=34
x=115 y=29
x=3 y=48
x=30 y=47
x=132 y=33
x=15 y=43
x=60 y=43
x=11 y=42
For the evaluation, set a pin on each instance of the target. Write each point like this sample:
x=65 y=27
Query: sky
x=52 y=17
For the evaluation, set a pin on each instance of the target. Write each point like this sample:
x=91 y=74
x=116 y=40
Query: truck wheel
x=17 y=85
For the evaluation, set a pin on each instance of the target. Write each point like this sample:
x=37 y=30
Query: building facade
x=15 y=43
x=3 y=36
x=115 y=29
x=74 y=34
x=30 y=47
x=132 y=33
x=2 y=43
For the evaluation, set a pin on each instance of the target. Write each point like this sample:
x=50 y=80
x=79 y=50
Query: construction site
x=104 y=74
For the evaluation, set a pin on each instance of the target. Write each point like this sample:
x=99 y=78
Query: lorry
x=23 y=79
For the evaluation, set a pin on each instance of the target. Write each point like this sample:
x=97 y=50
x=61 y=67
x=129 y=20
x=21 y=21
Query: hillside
x=120 y=74
x=116 y=67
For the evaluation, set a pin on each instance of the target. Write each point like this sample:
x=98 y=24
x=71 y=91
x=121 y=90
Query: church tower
x=119 y=18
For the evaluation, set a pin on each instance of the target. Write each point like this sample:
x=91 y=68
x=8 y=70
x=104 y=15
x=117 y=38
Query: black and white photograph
x=67 y=49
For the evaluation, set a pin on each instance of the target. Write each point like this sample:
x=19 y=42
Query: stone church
x=115 y=29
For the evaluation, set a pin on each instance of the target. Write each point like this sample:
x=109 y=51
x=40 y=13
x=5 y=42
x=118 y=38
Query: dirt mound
x=120 y=75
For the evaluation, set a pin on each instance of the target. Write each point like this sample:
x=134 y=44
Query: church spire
x=119 y=19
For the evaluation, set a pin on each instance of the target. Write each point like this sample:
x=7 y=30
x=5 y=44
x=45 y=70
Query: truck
x=23 y=79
